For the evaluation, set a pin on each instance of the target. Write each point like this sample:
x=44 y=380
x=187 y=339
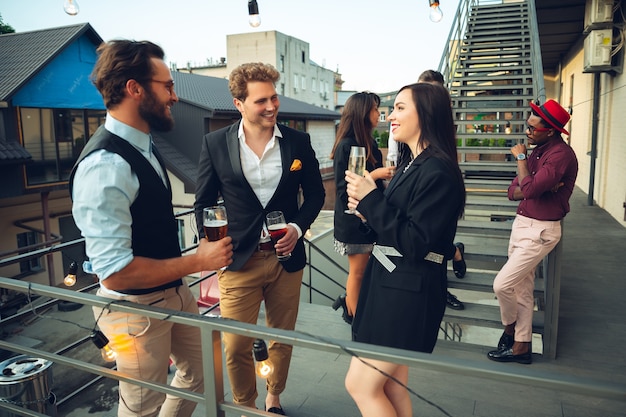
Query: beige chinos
x=262 y=278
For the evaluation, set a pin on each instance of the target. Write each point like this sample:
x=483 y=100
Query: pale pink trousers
x=531 y=240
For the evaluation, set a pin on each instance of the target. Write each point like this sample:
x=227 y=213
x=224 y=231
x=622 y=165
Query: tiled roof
x=212 y=94
x=181 y=166
x=23 y=54
x=12 y=153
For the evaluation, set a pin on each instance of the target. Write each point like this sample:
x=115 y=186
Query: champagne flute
x=277 y=226
x=356 y=164
x=215 y=223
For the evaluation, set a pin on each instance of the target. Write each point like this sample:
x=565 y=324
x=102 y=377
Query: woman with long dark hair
x=359 y=117
x=403 y=295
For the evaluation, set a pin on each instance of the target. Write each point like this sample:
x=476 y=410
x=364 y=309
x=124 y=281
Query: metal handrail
x=211 y=328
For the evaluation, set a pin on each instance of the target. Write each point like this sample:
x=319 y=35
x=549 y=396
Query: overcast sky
x=376 y=45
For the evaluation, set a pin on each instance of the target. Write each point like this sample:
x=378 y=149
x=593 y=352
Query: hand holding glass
x=277 y=226
x=356 y=164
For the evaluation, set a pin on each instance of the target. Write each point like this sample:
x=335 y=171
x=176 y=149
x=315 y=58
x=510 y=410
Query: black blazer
x=220 y=174
x=347 y=226
x=417 y=214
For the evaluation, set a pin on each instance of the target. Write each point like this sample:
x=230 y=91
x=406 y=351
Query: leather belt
x=265 y=246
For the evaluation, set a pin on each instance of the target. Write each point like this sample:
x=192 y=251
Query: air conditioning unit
x=597 y=53
x=598 y=14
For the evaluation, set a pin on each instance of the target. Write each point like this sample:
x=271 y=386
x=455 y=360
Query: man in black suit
x=258 y=166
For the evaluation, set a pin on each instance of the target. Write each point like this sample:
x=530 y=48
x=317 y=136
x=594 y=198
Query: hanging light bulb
x=263 y=367
x=507 y=128
x=70 y=278
x=71 y=7
x=435 y=12
x=253 y=12
x=100 y=340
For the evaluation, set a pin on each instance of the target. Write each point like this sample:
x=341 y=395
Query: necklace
x=408 y=165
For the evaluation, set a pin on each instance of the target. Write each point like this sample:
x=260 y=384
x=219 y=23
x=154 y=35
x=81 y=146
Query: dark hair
x=438 y=131
x=355 y=122
x=256 y=71
x=119 y=61
x=431 y=76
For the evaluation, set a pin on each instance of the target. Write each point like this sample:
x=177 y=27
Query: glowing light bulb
x=435 y=12
x=264 y=367
x=253 y=12
x=71 y=7
x=100 y=340
x=70 y=278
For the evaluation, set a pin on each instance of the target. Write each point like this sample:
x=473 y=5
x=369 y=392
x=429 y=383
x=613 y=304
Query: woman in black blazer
x=359 y=117
x=403 y=296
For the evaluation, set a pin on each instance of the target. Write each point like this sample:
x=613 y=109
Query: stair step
x=483 y=315
x=481 y=280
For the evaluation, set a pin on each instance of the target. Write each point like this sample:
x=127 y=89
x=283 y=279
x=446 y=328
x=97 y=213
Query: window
x=303 y=57
x=296 y=81
x=26 y=239
x=313 y=84
x=281 y=63
x=303 y=82
x=383 y=116
x=55 y=138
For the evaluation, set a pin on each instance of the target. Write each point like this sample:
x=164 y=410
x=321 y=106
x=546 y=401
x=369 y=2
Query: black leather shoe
x=506 y=341
x=459 y=267
x=276 y=410
x=341 y=302
x=454 y=302
x=506 y=355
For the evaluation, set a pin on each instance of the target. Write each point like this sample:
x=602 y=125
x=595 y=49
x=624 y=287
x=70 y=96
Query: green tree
x=5 y=28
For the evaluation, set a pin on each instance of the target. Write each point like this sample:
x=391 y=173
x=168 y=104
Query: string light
x=71 y=7
x=264 y=366
x=435 y=12
x=70 y=278
x=102 y=342
x=253 y=12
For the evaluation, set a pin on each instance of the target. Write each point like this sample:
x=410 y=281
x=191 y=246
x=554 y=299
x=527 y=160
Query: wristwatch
x=521 y=156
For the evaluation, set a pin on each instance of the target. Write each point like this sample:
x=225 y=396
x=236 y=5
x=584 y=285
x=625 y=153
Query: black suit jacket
x=417 y=214
x=220 y=174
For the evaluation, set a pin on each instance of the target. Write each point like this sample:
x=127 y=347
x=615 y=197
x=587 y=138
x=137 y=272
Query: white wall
x=610 y=173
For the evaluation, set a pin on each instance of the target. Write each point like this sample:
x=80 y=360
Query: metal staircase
x=492 y=66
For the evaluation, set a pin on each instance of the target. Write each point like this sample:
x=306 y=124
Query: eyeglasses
x=169 y=85
x=533 y=129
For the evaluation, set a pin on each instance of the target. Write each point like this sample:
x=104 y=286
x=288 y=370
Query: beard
x=154 y=113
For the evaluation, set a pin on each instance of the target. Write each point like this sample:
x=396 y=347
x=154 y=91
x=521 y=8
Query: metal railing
x=211 y=328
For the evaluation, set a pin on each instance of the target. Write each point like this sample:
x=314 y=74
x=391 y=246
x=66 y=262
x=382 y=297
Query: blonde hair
x=245 y=73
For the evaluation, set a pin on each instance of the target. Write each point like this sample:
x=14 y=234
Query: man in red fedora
x=544 y=183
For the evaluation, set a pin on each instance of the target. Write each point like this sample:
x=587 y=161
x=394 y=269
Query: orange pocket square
x=296 y=165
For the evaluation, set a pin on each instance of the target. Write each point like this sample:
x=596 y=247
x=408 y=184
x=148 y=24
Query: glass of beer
x=356 y=164
x=277 y=226
x=215 y=223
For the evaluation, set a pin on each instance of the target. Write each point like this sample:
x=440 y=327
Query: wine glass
x=356 y=164
x=277 y=226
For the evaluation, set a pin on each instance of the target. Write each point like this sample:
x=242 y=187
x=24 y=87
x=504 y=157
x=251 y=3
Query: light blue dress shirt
x=104 y=189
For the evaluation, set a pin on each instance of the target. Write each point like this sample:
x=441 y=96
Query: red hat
x=552 y=113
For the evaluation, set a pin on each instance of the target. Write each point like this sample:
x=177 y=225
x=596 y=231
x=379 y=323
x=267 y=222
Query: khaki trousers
x=144 y=347
x=531 y=240
x=262 y=278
